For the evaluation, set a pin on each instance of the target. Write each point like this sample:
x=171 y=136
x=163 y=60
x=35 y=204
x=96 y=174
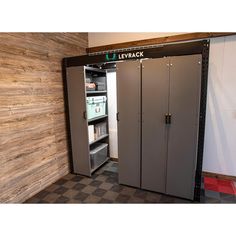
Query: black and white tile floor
x=103 y=187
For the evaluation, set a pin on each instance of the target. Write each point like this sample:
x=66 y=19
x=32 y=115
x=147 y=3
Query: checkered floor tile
x=103 y=187
x=218 y=191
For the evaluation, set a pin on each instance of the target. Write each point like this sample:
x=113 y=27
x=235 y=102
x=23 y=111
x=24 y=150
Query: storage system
x=87 y=100
x=161 y=104
x=158 y=146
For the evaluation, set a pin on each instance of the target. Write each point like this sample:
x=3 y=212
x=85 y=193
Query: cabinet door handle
x=85 y=115
x=166 y=118
x=169 y=118
x=117 y=116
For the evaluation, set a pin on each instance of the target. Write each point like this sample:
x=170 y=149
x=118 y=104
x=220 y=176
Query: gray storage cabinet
x=158 y=120
x=170 y=88
x=129 y=128
x=160 y=152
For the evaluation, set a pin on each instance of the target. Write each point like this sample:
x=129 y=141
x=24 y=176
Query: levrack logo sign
x=130 y=55
x=123 y=56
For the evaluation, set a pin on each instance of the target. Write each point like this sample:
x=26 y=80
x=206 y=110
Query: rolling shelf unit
x=97 y=74
x=82 y=147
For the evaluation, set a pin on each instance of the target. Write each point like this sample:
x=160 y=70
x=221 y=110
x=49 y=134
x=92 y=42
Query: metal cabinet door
x=184 y=106
x=78 y=123
x=155 y=95
x=128 y=103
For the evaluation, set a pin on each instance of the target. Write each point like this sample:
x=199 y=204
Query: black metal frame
x=179 y=49
x=155 y=52
x=202 y=118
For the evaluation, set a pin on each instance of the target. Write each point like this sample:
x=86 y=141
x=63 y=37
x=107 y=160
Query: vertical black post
x=202 y=118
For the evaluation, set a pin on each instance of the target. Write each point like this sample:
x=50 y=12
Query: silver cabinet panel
x=78 y=124
x=185 y=83
x=128 y=103
x=155 y=93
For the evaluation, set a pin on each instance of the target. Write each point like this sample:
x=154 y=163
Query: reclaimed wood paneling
x=160 y=40
x=33 y=145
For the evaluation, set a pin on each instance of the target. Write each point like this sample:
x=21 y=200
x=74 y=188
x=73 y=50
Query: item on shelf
x=90 y=86
x=98 y=155
x=100 y=129
x=96 y=106
x=100 y=86
x=91 y=133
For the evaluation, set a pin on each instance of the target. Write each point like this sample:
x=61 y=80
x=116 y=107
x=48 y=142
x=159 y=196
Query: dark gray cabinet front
x=184 y=104
x=129 y=128
x=170 y=115
x=155 y=93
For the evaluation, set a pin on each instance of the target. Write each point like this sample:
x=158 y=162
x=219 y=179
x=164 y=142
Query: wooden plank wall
x=33 y=145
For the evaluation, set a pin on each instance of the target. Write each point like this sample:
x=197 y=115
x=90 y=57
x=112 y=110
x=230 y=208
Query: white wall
x=112 y=109
x=220 y=139
x=98 y=39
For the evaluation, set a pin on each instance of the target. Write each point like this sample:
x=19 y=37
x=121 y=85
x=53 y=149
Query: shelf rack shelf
x=95 y=92
x=97 y=118
x=99 y=139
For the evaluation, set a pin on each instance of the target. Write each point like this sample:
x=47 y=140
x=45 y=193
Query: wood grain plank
x=34 y=180
x=219 y=176
x=160 y=40
x=33 y=136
